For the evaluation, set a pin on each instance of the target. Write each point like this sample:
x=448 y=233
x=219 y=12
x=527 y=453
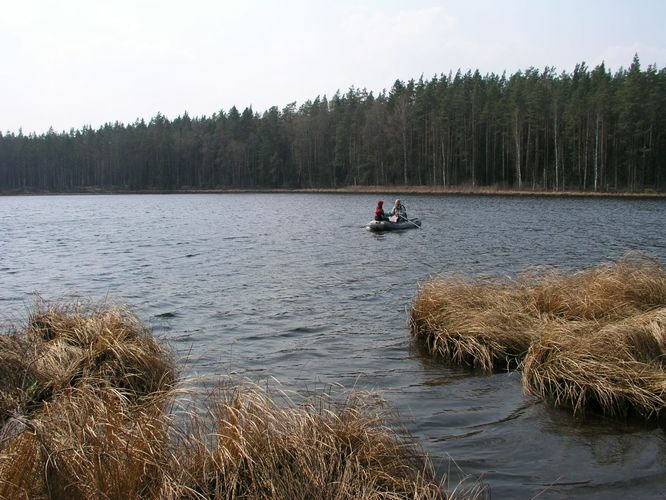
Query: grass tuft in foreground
x=87 y=398
x=62 y=347
x=594 y=339
x=263 y=446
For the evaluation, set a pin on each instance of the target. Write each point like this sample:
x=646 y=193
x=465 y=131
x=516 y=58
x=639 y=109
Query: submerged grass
x=87 y=398
x=594 y=339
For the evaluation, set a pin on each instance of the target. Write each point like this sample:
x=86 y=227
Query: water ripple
x=312 y=300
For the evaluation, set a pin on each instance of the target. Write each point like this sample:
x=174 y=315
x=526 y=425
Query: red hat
x=380 y=202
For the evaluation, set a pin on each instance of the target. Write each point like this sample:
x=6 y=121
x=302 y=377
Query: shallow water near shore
x=263 y=286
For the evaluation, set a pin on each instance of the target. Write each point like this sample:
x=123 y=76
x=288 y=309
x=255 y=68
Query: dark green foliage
x=585 y=131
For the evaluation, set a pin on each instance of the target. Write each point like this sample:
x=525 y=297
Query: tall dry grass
x=63 y=345
x=94 y=342
x=88 y=442
x=88 y=395
x=265 y=446
x=592 y=339
x=608 y=292
x=618 y=368
x=488 y=324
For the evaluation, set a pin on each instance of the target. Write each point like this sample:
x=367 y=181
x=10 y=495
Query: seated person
x=379 y=211
x=399 y=212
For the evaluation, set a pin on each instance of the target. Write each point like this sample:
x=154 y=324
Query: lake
x=293 y=287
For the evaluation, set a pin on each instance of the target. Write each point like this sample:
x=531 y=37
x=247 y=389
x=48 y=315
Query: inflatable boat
x=387 y=225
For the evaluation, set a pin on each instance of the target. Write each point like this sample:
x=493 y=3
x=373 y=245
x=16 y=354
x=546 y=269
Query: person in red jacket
x=379 y=211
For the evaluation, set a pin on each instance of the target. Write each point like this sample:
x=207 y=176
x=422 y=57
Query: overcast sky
x=70 y=63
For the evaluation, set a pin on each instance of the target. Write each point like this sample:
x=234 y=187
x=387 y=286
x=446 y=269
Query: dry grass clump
x=593 y=339
x=487 y=325
x=609 y=292
x=88 y=442
x=617 y=369
x=16 y=377
x=261 y=447
x=87 y=397
x=104 y=343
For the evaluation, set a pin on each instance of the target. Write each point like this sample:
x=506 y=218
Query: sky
x=67 y=64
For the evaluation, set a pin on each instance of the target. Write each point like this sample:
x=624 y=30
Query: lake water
x=292 y=287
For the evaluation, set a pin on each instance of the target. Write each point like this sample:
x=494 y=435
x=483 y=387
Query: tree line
x=588 y=130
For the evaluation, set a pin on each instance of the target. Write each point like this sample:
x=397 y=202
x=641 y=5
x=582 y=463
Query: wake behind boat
x=388 y=225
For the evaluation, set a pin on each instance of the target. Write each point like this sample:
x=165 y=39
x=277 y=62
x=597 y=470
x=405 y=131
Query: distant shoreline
x=403 y=190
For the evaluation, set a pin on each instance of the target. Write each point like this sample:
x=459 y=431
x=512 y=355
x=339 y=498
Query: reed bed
x=62 y=346
x=605 y=293
x=589 y=340
x=487 y=325
x=265 y=446
x=89 y=403
x=90 y=441
x=616 y=369
x=110 y=345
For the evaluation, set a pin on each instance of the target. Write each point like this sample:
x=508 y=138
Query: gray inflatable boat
x=385 y=225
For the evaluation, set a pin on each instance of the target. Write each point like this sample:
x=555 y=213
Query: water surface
x=264 y=286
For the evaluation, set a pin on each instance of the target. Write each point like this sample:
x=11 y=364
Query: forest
x=589 y=130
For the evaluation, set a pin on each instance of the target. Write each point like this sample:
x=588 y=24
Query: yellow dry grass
x=263 y=445
x=593 y=339
x=487 y=325
x=88 y=442
x=618 y=368
x=88 y=395
x=108 y=344
x=608 y=292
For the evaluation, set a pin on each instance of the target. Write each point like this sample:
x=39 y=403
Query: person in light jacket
x=399 y=211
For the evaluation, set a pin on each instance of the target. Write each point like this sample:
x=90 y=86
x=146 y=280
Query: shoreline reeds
x=89 y=408
x=594 y=339
x=462 y=190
